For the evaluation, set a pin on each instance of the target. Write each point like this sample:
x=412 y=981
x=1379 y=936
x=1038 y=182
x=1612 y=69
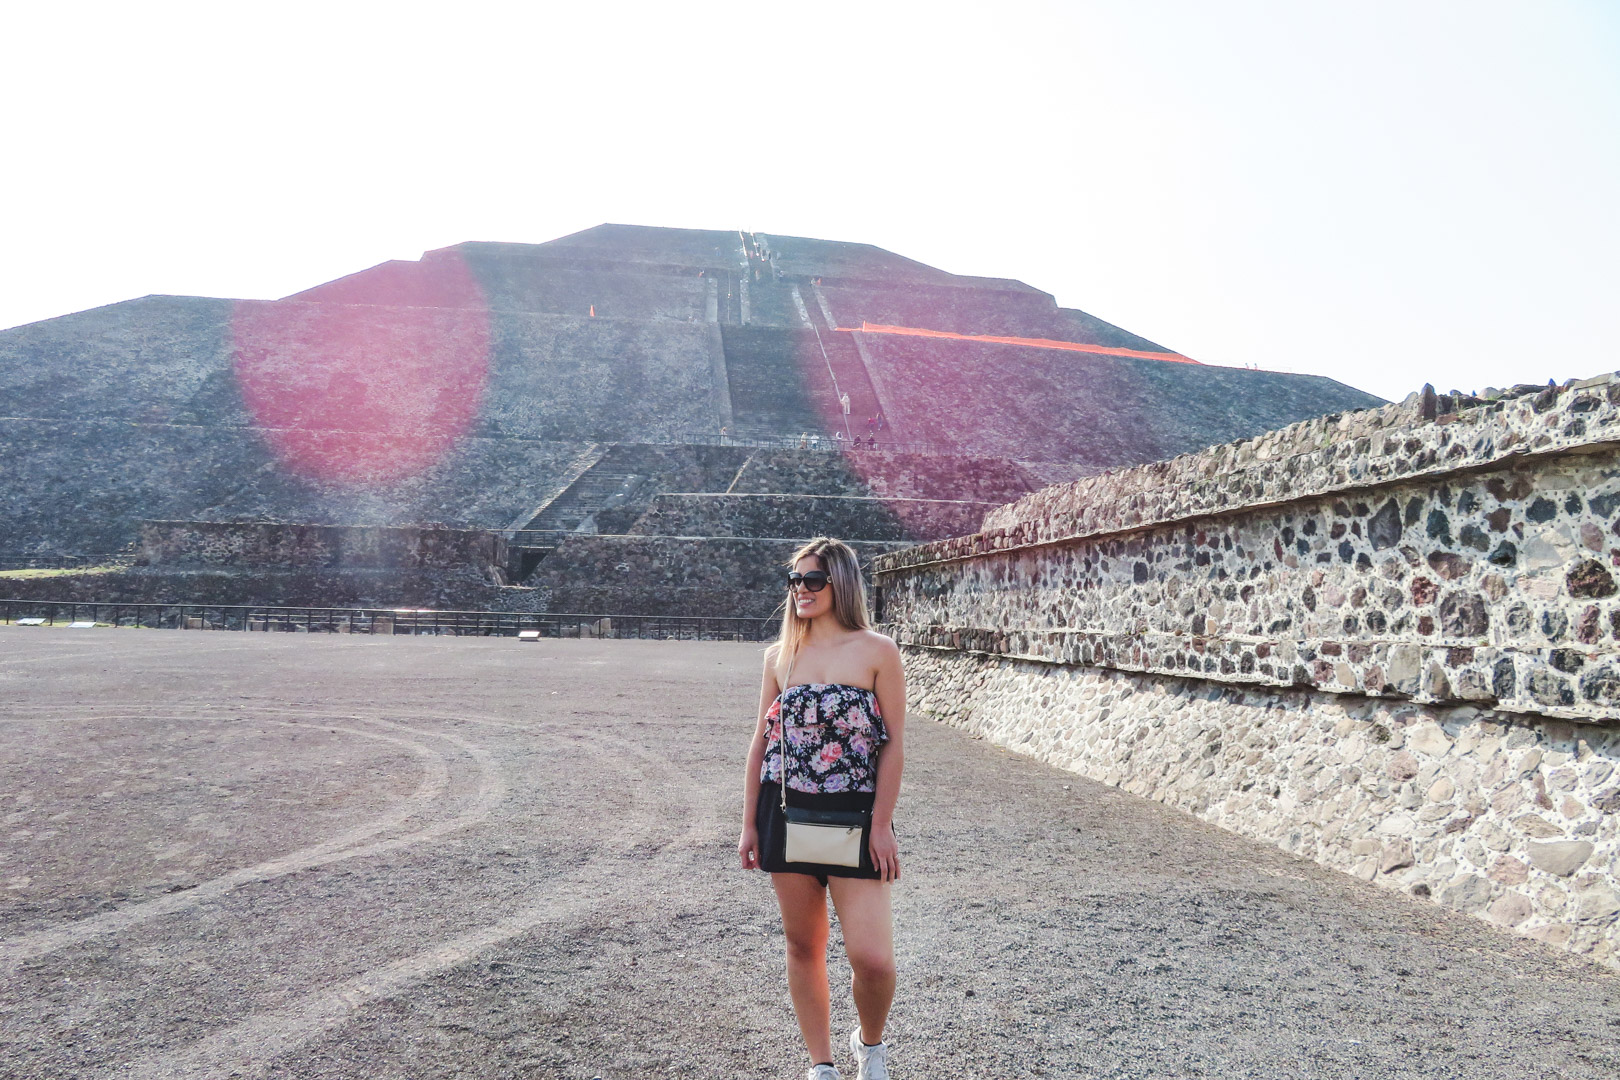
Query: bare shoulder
x=772 y=651
x=880 y=647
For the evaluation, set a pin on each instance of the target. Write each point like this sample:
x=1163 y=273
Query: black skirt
x=773 y=832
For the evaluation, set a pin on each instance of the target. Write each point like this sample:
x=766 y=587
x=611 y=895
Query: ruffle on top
x=834 y=734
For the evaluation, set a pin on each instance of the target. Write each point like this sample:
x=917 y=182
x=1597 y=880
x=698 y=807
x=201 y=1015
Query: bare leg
x=865 y=915
x=803 y=901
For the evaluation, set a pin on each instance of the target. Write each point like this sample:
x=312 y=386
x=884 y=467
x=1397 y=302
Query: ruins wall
x=463 y=589
x=82 y=485
x=346 y=547
x=1388 y=641
x=885 y=475
x=669 y=575
x=854 y=518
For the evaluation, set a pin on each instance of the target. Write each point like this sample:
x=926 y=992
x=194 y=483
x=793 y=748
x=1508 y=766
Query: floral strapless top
x=834 y=732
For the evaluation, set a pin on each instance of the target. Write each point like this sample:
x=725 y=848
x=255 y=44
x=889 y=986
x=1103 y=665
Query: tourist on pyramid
x=820 y=787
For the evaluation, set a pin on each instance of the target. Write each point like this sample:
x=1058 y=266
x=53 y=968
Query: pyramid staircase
x=573 y=510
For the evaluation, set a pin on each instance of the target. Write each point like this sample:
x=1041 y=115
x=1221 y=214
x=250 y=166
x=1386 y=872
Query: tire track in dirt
x=249 y=1046
x=347 y=845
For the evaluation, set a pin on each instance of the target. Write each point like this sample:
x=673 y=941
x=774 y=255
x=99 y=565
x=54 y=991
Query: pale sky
x=1387 y=192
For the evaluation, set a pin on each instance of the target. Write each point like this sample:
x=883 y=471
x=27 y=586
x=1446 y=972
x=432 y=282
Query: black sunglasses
x=815 y=580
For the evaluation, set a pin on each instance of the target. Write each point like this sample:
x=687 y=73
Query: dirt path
x=289 y=856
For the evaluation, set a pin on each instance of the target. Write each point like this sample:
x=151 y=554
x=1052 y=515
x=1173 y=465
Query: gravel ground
x=287 y=856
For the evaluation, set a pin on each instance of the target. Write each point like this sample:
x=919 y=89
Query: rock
x=1396 y=825
x=1435 y=684
x=1537 y=826
x=1560 y=858
x=1441 y=790
x=1509 y=909
x=1504 y=679
x=1590 y=580
x=1449 y=566
x=1396 y=857
x=1509 y=871
x=1545 y=550
x=1401 y=766
x=1596 y=901
x=1424 y=591
x=1403 y=667
x=1547 y=687
x=1601 y=685
x=1463 y=614
x=1470 y=892
x=1384 y=527
x=1472 y=685
x=1429 y=739
x=1557 y=935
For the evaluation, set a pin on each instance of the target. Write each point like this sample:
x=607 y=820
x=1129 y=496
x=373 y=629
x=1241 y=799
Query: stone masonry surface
x=1518 y=823
x=1447 y=562
x=359 y=547
x=1413 y=610
x=855 y=518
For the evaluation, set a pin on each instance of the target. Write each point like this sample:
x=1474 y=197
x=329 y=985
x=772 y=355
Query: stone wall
x=82 y=486
x=663 y=575
x=848 y=517
x=463 y=589
x=885 y=475
x=1388 y=641
x=345 y=547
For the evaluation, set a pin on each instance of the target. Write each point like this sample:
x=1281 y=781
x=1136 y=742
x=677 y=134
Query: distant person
x=836 y=686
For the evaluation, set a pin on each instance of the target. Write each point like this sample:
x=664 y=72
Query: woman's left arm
x=891 y=694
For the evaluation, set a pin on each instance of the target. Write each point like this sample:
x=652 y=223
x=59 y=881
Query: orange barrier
x=1034 y=343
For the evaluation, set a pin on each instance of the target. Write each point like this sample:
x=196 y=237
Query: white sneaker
x=823 y=1072
x=872 y=1060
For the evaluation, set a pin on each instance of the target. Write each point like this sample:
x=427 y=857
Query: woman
x=837 y=687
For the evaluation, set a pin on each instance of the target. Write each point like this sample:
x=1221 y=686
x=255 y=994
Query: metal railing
x=317 y=620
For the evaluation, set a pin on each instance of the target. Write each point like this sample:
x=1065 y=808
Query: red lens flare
x=1035 y=343
x=363 y=381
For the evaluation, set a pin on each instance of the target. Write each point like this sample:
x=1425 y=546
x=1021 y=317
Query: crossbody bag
x=825 y=837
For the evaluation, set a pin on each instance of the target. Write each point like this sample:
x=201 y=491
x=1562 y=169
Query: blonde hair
x=848 y=600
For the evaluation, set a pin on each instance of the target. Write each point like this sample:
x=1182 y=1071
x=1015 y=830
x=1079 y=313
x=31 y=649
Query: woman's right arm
x=748 y=843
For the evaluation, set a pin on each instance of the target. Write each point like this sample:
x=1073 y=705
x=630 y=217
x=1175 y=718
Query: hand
x=748 y=848
x=885 y=851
